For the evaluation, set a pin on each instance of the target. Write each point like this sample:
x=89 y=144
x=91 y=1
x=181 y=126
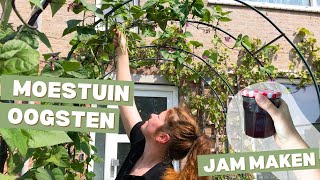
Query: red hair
x=186 y=140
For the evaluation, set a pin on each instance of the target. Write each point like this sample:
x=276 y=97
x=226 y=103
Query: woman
x=174 y=134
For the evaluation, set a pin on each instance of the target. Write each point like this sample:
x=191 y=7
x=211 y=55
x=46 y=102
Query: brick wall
x=244 y=21
x=249 y=22
x=52 y=26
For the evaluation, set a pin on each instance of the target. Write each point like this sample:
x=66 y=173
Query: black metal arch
x=190 y=53
x=169 y=60
x=251 y=53
x=282 y=34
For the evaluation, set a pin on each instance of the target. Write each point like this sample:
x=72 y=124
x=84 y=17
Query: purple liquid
x=258 y=123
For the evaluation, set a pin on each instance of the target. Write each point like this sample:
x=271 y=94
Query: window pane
x=99 y=167
x=307 y=101
x=288 y=2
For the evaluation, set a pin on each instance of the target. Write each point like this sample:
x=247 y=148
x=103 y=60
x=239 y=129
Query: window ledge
x=269 y=6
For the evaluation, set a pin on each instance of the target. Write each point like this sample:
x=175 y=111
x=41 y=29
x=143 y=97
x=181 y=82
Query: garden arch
x=282 y=35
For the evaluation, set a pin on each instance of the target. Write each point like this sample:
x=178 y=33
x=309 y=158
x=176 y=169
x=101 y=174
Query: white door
x=113 y=148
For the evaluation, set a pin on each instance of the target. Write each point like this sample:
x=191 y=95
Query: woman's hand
x=120 y=43
x=286 y=135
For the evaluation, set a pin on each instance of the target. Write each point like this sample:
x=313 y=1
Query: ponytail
x=201 y=146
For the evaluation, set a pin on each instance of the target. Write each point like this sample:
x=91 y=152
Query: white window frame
x=312 y=8
x=150 y=83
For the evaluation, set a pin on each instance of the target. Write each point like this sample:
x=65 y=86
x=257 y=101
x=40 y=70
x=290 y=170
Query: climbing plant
x=163 y=43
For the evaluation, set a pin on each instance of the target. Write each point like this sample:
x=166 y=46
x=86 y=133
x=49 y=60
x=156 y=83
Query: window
x=287 y=2
x=295 y=5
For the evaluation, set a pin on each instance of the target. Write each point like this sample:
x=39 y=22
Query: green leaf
x=10 y=48
x=37 y=3
x=206 y=16
x=24 y=60
x=196 y=44
x=44 y=39
x=7 y=34
x=218 y=8
x=149 y=3
x=188 y=34
x=98 y=12
x=163 y=24
x=165 y=54
x=246 y=42
x=32 y=72
x=44 y=174
x=80 y=73
x=90 y=175
x=29 y=38
x=71 y=26
x=224 y=19
x=184 y=12
x=56 y=5
x=136 y=12
x=15 y=138
x=70 y=65
x=59 y=157
x=7 y=177
x=147 y=30
x=213 y=58
x=85 y=33
x=41 y=138
x=85 y=147
x=57 y=72
x=197 y=8
x=135 y=36
x=57 y=174
x=75 y=136
x=73 y=23
x=5 y=17
x=238 y=41
x=49 y=55
x=305 y=31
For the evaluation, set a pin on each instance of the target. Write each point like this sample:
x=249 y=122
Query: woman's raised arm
x=129 y=114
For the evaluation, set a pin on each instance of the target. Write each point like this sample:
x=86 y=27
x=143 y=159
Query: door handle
x=114 y=164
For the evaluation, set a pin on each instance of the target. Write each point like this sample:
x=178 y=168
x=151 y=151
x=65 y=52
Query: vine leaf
x=48 y=55
x=305 y=31
x=44 y=174
x=6 y=177
x=149 y=3
x=184 y=11
x=98 y=12
x=136 y=12
x=40 y=138
x=196 y=44
x=246 y=42
x=15 y=138
x=44 y=39
x=57 y=72
x=238 y=41
x=71 y=26
x=37 y=3
x=10 y=48
x=56 y=5
x=197 y=8
x=59 y=157
x=80 y=73
x=71 y=65
x=58 y=174
x=85 y=33
x=17 y=57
